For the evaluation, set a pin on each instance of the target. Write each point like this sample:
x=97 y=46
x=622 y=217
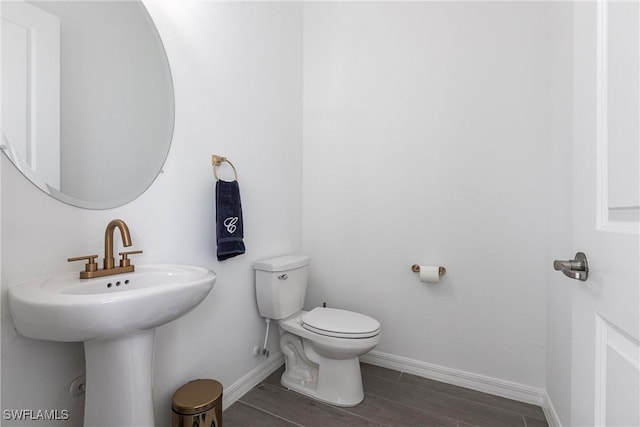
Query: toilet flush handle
x=283 y=276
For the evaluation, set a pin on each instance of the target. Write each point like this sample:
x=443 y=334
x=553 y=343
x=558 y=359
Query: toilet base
x=334 y=381
x=334 y=391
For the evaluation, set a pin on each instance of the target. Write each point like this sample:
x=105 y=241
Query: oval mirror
x=87 y=98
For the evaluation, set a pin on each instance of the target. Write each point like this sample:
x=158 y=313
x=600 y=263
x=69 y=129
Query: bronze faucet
x=125 y=266
x=108 y=240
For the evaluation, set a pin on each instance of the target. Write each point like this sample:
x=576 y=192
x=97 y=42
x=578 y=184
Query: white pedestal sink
x=115 y=317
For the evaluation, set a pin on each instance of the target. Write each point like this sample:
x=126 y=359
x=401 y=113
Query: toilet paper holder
x=416 y=269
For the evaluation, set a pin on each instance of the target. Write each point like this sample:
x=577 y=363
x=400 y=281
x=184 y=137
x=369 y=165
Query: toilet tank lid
x=282 y=263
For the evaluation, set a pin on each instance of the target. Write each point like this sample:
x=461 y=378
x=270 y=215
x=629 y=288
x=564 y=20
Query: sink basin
x=115 y=316
x=66 y=308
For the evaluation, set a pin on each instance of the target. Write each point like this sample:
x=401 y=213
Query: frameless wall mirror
x=87 y=98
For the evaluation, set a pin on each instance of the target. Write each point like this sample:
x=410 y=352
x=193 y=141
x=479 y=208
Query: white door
x=606 y=200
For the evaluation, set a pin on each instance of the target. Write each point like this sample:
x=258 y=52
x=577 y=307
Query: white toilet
x=321 y=347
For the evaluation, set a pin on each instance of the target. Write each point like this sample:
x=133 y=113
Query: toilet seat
x=337 y=323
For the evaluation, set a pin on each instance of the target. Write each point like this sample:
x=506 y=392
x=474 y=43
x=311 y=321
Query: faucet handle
x=91 y=264
x=124 y=260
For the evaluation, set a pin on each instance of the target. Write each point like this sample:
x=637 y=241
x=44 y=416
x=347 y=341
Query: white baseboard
x=495 y=386
x=550 y=412
x=239 y=388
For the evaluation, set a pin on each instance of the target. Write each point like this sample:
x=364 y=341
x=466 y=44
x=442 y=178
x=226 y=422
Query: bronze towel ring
x=217 y=161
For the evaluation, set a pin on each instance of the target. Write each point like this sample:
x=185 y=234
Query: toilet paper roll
x=429 y=274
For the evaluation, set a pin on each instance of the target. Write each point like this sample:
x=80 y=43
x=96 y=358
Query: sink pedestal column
x=119 y=381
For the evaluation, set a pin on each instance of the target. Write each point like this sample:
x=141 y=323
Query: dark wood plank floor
x=391 y=398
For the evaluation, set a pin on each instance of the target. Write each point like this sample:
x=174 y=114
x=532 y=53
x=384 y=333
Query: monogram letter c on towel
x=230 y=224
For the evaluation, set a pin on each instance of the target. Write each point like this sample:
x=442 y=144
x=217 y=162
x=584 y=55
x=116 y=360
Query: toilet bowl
x=325 y=365
x=321 y=347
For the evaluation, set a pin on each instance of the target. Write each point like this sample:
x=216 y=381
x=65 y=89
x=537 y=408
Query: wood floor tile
x=391 y=413
x=451 y=406
x=477 y=396
x=297 y=408
x=380 y=372
x=241 y=415
x=274 y=378
x=534 y=422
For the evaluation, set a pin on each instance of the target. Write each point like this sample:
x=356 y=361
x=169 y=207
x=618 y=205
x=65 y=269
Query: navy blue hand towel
x=229 y=230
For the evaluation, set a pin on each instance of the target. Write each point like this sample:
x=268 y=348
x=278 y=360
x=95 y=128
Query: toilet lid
x=340 y=323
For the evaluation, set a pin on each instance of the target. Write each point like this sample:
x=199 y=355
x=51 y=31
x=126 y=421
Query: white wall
x=560 y=181
x=237 y=75
x=426 y=140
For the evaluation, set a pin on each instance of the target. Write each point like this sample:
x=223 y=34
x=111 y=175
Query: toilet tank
x=281 y=284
